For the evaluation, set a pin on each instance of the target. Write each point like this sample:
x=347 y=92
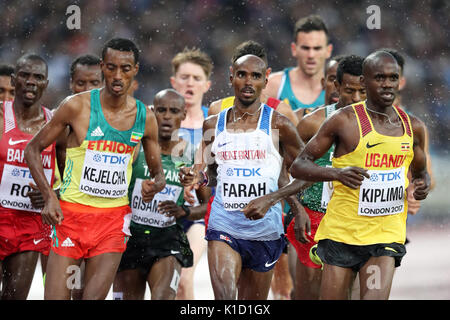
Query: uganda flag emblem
x=405 y=146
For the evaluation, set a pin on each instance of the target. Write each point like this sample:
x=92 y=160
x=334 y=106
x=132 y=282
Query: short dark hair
x=121 y=44
x=400 y=59
x=249 y=47
x=350 y=64
x=6 y=70
x=337 y=58
x=32 y=57
x=310 y=23
x=84 y=60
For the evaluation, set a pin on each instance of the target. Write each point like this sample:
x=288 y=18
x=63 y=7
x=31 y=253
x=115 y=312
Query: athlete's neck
x=112 y=101
x=241 y=109
x=168 y=145
x=24 y=112
x=312 y=82
x=194 y=117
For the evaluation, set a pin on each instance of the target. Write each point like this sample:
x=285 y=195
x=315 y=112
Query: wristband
x=187 y=210
x=205 y=179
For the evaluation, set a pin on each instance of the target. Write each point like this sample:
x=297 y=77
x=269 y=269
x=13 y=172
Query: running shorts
x=23 y=231
x=353 y=256
x=304 y=248
x=88 y=231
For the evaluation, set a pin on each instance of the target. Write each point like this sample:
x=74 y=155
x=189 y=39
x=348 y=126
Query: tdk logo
x=24 y=173
x=244 y=172
x=111 y=159
x=385 y=177
x=169 y=191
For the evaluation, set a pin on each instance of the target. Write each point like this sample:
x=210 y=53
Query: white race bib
x=241 y=185
x=15 y=186
x=383 y=194
x=147 y=212
x=104 y=174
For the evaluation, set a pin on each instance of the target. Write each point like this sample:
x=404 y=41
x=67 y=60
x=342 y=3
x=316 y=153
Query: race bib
x=147 y=212
x=241 y=185
x=383 y=194
x=15 y=186
x=104 y=174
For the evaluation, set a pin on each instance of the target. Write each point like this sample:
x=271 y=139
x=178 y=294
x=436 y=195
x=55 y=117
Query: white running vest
x=249 y=166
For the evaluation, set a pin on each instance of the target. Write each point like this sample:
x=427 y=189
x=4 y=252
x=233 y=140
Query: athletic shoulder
x=273 y=84
x=215 y=107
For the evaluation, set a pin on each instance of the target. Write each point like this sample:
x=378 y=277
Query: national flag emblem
x=405 y=146
x=136 y=137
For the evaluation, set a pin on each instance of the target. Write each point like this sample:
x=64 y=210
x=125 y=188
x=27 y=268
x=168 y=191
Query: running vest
x=286 y=95
x=248 y=167
x=146 y=213
x=376 y=211
x=229 y=102
x=98 y=172
x=14 y=172
x=318 y=195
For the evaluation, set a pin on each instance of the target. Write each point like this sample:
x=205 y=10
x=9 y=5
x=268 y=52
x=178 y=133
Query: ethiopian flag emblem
x=136 y=137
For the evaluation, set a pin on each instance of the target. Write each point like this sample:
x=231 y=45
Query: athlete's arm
x=420 y=177
x=286 y=110
x=304 y=166
x=274 y=81
x=308 y=125
x=153 y=159
x=50 y=132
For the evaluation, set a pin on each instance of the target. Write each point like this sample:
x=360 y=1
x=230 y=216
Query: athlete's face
x=30 y=81
x=191 y=81
x=331 y=94
x=6 y=88
x=249 y=78
x=381 y=80
x=351 y=90
x=119 y=69
x=169 y=111
x=86 y=78
x=311 y=50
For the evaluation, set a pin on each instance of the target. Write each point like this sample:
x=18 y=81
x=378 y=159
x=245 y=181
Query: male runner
x=22 y=233
x=6 y=87
x=245 y=241
x=92 y=219
x=85 y=74
x=158 y=248
x=375 y=145
x=282 y=283
x=191 y=72
x=315 y=199
x=301 y=86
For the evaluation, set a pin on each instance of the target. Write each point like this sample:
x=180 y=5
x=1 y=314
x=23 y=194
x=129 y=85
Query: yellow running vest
x=375 y=212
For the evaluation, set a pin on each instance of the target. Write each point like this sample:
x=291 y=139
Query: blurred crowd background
x=418 y=29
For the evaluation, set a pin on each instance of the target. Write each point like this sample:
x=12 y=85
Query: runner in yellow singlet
x=376 y=143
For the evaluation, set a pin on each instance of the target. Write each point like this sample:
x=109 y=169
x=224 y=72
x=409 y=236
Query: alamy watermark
x=374 y=20
x=74 y=19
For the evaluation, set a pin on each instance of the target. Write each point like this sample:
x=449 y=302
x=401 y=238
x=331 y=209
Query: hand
x=170 y=209
x=35 y=195
x=188 y=176
x=421 y=189
x=302 y=224
x=188 y=195
x=257 y=208
x=148 y=190
x=352 y=177
x=413 y=204
x=52 y=213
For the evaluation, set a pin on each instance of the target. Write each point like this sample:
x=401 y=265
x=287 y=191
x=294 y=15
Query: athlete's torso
x=376 y=211
x=146 y=213
x=318 y=195
x=14 y=173
x=98 y=172
x=286 y=94
x=248 y=167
